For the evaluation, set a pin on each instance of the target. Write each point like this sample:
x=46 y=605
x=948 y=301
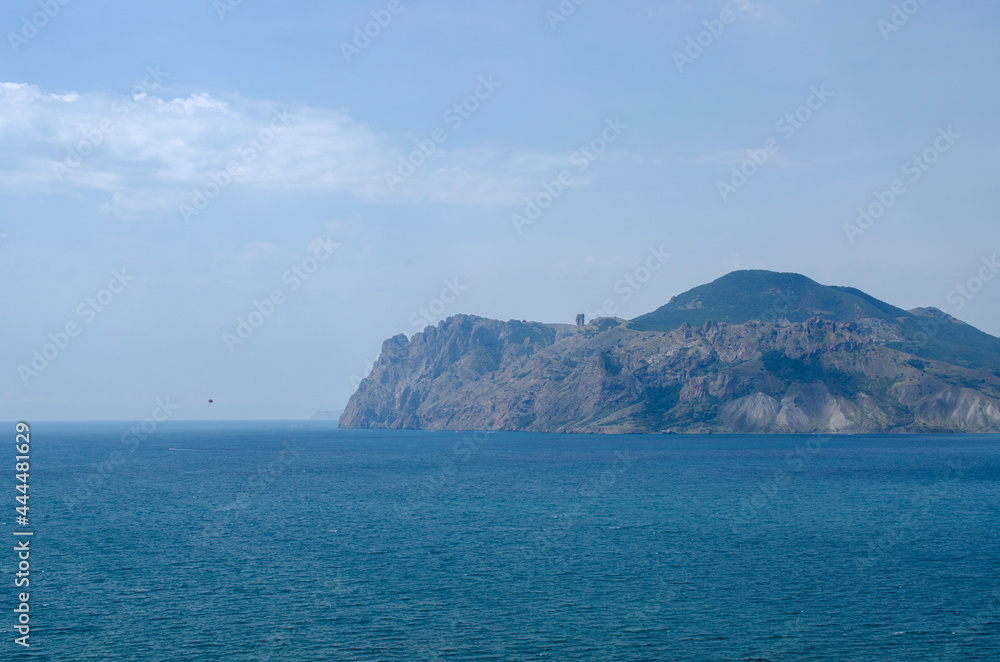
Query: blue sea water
x=263 y=541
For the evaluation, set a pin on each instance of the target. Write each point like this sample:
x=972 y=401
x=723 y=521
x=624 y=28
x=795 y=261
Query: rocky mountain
x=755 y=351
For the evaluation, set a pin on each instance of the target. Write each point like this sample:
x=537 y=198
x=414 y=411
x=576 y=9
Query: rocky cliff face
x=614 y=376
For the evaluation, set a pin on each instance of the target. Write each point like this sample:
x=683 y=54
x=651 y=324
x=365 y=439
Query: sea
x=298 y=541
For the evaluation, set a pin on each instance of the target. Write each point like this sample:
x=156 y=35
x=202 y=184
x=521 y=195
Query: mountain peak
x=768 y=296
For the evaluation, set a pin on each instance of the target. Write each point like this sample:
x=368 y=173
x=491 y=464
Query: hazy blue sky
x=118 y=121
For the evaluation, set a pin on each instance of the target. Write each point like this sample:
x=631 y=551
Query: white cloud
x=147 y=154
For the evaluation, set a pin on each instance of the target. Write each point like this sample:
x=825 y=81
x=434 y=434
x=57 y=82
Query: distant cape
x=754 y=351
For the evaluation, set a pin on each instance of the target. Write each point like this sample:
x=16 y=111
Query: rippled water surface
x=253 y=541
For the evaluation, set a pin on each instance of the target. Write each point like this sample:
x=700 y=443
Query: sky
x=240 y=200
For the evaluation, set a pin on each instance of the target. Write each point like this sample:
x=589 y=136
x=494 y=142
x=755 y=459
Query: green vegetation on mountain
x=772 y=297
x=742 y=296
